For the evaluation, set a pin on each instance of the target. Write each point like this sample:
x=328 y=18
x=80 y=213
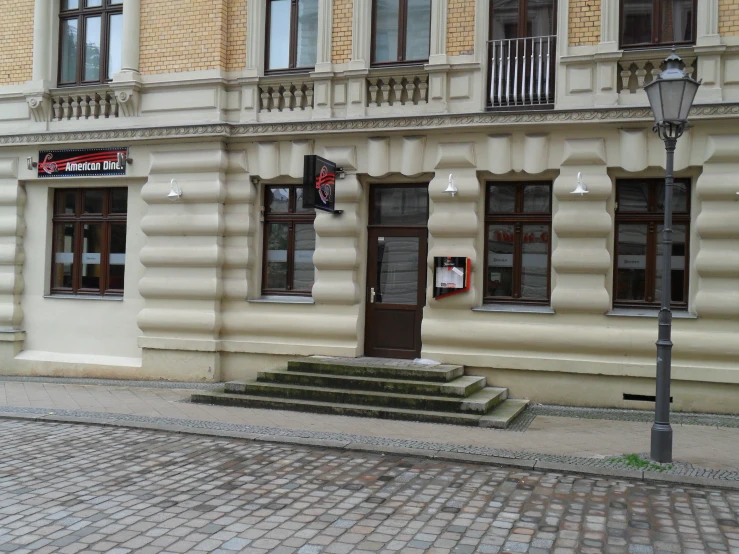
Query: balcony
x=522 y=72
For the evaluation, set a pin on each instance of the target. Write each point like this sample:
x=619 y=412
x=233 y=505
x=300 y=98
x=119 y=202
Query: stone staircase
x=373 y=387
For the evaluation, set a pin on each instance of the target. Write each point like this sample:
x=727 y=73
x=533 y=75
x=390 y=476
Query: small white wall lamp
x=123 y=159
x=580 y=189
x=31 y=164
x=452 y=187
x=175 y=193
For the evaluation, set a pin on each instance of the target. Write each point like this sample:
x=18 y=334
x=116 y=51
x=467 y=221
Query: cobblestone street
x=75 y=488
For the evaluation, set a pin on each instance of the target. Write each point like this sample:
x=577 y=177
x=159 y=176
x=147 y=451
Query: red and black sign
x=319 y=184
x=89 y=162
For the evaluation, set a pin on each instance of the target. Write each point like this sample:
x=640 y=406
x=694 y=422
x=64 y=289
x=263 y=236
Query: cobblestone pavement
x=75 y=488
x=705 y=446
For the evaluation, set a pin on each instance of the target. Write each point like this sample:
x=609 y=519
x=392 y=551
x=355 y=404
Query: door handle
x=372 y=295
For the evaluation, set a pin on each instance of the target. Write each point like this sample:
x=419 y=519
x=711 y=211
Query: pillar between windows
x=323 y=51
x=437 y=42
x=131 y=32
x=361 y=34
x=609 y=24
x=707 y=16
x=42 y=17
x=256 y=14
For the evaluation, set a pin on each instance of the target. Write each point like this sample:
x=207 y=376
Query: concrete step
x=459 y=387
x=376 y=367
x=479 y=402
x=503 y=414
x=251 y=401
x=499 y=418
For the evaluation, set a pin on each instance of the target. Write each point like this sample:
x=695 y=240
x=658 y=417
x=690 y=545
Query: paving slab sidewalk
x=574 y=440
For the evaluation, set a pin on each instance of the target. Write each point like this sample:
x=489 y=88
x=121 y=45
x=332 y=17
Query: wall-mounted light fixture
x=175 y=193
x=31 y=164
x=451 y=187
x=581 y=188
x=123 y=159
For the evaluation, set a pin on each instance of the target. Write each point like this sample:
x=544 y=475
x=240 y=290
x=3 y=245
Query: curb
x=530 y=464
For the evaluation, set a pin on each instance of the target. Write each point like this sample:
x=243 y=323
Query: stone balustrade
x=397 y=90
x=292 y=96
x=84 y=105
x=634 y=74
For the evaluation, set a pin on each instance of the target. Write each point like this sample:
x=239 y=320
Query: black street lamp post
x=671 y=96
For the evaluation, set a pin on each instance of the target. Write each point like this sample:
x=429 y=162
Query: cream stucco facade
x=192 y=307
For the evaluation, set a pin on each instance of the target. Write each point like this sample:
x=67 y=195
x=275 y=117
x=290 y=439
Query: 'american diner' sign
x=88 y=162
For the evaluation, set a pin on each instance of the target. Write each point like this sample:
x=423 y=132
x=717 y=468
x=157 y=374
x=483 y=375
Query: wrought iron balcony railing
x=522 y=72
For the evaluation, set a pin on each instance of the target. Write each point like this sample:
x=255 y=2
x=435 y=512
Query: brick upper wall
x=728 y=17
x=183 y=35
x=460 y=30
x=341 y=35
x=16 y=42
x=584 y=22
x=236 y=41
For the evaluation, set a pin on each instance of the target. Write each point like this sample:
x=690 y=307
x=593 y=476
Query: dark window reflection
x=401 y=205
x=632 y=262
x=500 y=260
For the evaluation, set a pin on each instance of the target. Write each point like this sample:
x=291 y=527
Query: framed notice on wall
x=88 y=162
x=451 y=275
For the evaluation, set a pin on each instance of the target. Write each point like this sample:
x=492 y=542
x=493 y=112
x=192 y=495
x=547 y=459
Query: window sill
x=276 y=299
x=514 y=308
x=640 y=312
x=84 y=297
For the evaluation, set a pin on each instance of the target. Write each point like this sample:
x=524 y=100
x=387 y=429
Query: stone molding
x=461 y=121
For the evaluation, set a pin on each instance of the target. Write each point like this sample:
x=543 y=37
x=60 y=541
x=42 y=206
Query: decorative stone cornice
x=462 y=122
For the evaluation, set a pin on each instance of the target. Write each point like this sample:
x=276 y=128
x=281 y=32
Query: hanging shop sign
x=319 y=184
x=87 y=162
x=451 y=275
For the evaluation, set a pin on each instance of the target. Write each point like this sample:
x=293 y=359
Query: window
x=521 y=18
x=89 y=241
x=639 y=225
x=289 y=242
x=401 y=31
x=90 y=41
x=518 y=227
x=292 y=34
x=650 y=22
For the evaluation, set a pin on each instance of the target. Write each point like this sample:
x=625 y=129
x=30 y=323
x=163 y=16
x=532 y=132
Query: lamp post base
x=661 y=443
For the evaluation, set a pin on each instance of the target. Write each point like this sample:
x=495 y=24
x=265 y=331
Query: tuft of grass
x=636 y=461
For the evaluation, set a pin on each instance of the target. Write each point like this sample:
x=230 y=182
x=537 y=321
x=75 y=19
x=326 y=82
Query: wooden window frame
x=105 y=11
x=653 y=219
x=79 y=219
x=402 y=36
x=518 y=218
x=293 y=59
x=291 y=217
x=523 y=10
x=656 y=18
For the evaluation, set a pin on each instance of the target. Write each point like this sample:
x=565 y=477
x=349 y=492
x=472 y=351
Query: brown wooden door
x=396 y=271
